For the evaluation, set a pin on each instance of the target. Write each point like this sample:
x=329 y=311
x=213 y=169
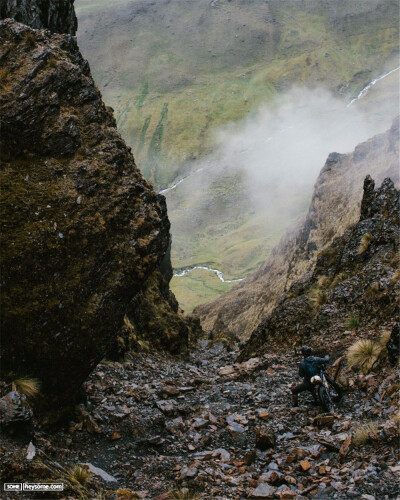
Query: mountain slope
x=334 y=206
x=174 y=71
x=178 y=72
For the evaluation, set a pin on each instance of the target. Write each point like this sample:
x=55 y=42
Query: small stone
x=265 y=439
x=323 y=420
x=263 y=490
x=166 y=407
x=263 y=414
x=31 y=451
x=250 y=457
x=305 y=465
x=287 y=494
x=227 y=370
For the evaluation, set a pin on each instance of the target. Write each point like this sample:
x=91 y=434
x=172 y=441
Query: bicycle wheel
x=324 y=398
x=335 y=390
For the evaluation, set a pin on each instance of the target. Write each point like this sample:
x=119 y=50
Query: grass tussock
x=365 y=433
x=323 y=281
x=79 y=474
x=184 y=494
x=29 y=387
x=363 y=354
x=384 y=338
x=364 y=243
x=338 y=279
x=352 y=322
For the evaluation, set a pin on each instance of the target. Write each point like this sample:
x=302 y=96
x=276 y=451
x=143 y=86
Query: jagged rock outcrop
x=355 y=281
x=82 y=231
x=56 y=15
x=334 y=206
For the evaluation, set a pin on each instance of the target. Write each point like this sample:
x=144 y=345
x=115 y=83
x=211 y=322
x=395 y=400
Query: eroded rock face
x=81 y=229
x=56 y=15
x=355 y=278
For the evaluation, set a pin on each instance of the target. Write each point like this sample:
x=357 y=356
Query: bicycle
x=326 y=389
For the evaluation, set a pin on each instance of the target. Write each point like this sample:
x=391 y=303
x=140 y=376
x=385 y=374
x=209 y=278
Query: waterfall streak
x=365 y=90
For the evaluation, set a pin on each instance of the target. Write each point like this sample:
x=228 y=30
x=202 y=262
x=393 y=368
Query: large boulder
x=82 y=231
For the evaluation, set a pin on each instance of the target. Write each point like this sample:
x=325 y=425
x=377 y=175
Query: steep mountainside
x=176 y=70
x=84 y=236
x=334 y=206
x=355 y=281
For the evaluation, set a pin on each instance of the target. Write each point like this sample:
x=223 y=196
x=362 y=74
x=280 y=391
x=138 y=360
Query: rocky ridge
x=57 y=16
x=355 y=280
x=82 y=231
x=334 y=206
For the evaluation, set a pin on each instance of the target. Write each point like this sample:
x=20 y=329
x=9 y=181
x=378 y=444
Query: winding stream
x=365 y=90
x=220 y=274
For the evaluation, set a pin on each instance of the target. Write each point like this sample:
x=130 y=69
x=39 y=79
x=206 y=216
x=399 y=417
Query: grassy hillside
x=177 y=71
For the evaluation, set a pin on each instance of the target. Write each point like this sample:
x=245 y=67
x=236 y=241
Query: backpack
x=311 y=366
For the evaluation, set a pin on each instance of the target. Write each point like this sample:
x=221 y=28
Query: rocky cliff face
x=84 y=235
x=355 y=282
x=56 y=15
x=334 y=206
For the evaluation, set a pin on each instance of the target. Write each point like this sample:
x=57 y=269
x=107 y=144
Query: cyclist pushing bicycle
x=312 y=371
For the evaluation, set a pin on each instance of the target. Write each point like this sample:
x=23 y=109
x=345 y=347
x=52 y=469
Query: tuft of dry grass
x=365 y=433
x=318 y=296
x=338 y=279
x=79 y=474
x=30 y=387
x=183 y=494
x=323 y=281
x=363 y=354
x=384 y=338
x=364 y=243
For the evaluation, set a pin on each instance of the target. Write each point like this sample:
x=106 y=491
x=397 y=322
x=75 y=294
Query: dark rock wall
x=82 y=231
x=56 y=15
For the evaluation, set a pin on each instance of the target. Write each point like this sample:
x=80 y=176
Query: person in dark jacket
x=307 y=369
